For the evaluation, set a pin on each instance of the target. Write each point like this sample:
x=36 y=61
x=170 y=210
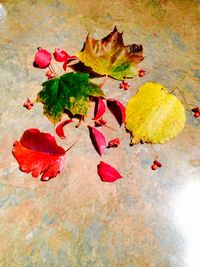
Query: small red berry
x=114 y=142
x=102 y=121
x=197 y=114
x=157 y=163
x=50 y=74
x=196 y=109
x=141 y=73
x=154 y=167
x=28 y=105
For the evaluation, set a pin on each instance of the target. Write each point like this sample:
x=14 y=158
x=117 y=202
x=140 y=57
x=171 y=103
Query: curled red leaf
x=108 y=173
x=59 y=128
x=38 y=153
x=61 y=55
x=98 y=140
x=42 y=58
x=100 y=108
x=69 y=59
x=117 y=109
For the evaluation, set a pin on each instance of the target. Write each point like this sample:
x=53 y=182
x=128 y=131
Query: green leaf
x=70 y=91
x=110 y=56
x=154 y=115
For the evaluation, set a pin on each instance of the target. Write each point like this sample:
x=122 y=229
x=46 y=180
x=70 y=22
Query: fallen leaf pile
x=152 y=115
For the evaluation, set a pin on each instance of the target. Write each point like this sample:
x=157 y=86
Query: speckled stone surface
x=146 y=219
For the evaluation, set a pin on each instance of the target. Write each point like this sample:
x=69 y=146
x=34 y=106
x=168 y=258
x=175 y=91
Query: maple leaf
x=110 y=56
x=154 y=115
x=70 y=91
x=38 y=153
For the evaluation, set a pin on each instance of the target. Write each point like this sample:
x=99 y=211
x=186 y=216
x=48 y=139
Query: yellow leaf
x=154 y=115
x=110 y=57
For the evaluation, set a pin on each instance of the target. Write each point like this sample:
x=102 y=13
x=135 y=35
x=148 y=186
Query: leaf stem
x=72 y=144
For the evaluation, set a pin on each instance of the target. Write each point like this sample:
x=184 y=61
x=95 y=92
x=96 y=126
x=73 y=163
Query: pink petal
x=98 y=140
x=59 y=128
x=117 y=109
x=60 y=55
x=100 y=108
x=108 y=173
x=42 y=58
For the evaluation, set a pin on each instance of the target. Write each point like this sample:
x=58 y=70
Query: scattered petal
x=42 y=58
x=39 y=153
x=59 y=128
x=108 y=173
x=61 y=55
x=98 y=140
x=117 y=109
x=100 y=108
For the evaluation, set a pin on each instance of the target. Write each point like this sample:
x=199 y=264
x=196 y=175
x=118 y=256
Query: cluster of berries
x=196 y=111
x=156 y=165
x=28 y=104
x=114 y=142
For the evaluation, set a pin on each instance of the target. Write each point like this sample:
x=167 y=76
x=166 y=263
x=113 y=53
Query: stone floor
x=146 y=219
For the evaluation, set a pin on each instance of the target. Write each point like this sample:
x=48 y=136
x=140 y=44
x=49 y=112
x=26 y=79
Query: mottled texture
x=76 y=219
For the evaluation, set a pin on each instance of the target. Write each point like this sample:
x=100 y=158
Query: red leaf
x=60 y=55
x=38 y=153
x=42 y=58
x=108 y=173
x=100 y=108
x=117 y=109
x=69 y=59
x=59 y=128
x=98 y=140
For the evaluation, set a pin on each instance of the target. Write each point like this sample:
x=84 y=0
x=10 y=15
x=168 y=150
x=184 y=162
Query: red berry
x=196 y=109
x=141 y=73
x=103 y=122
x=196 y=114
x=154 y=167
x=124 y=85
x=50 y=74
x=114 y=142
x=157 y=163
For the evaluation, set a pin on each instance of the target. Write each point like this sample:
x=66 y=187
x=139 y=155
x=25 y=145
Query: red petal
x=60 y=55
x=117 y=109
x=38 y=153
x=59 y=128
x=100 y=108
x=98 y=140
x=42 y=58
x=108 y=173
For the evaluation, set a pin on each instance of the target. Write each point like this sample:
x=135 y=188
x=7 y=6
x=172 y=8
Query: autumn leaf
x=110 y=56
x=154 y=115
x=38 y=153
x=70 y=91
